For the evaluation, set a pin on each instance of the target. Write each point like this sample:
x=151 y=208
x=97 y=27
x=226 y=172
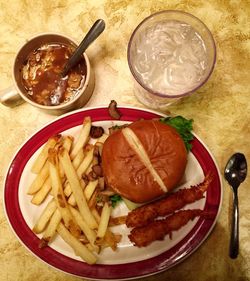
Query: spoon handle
x=93 y=33
x=234 y=239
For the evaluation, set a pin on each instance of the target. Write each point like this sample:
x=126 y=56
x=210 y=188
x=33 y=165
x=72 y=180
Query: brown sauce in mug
x=41 y=75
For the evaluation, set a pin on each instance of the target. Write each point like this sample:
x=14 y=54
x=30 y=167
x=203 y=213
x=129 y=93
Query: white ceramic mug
x=17 y=94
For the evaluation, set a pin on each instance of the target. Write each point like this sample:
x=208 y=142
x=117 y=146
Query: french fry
x=90 y=233
x=76 y=188
x=39 y=179
x=67 y=189
x=90 y=188
x=76 y=163
x=58 y=194
x=102 y=139
x=96 y=215
x=85 y=163
x=83 y=137
x=76 y=245
x=67 y=142
x=93 y=200
x=100 y=147
x=88 y=191
x=50 y=230
x=45 y=217
x=42 y=193
x=72 y=200
x=78 y=159
x=42 y=157
x=103 y=224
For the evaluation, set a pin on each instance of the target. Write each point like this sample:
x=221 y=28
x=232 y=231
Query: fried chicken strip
x=157 y=230
x=145 y=214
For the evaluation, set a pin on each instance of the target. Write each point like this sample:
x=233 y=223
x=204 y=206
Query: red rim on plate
x=118 y=271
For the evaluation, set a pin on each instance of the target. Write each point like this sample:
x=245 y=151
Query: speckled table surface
x=220 y=109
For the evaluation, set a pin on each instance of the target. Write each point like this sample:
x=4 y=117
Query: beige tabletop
x=220 y=109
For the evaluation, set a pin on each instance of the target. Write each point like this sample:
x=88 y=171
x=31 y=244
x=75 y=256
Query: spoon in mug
x=96 y=29
x=235 y=173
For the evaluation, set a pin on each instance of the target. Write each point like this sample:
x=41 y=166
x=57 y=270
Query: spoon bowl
x=235 y=173
x=236 y=170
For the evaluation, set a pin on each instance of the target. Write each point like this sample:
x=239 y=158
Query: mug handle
x=9 y=97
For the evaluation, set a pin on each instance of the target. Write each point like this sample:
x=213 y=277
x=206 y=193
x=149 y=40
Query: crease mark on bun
x=136 y=144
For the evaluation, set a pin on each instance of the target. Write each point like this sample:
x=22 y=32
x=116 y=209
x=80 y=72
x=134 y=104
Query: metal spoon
x=235 y=173
x=96 y=29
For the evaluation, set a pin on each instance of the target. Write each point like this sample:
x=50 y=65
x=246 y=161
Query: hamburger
x=144 y=160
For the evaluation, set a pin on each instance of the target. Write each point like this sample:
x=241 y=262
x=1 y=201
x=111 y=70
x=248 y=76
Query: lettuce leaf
x=183 y=126
x=115 y=199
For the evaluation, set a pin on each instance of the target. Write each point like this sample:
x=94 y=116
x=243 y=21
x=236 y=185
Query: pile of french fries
x=72 y=210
